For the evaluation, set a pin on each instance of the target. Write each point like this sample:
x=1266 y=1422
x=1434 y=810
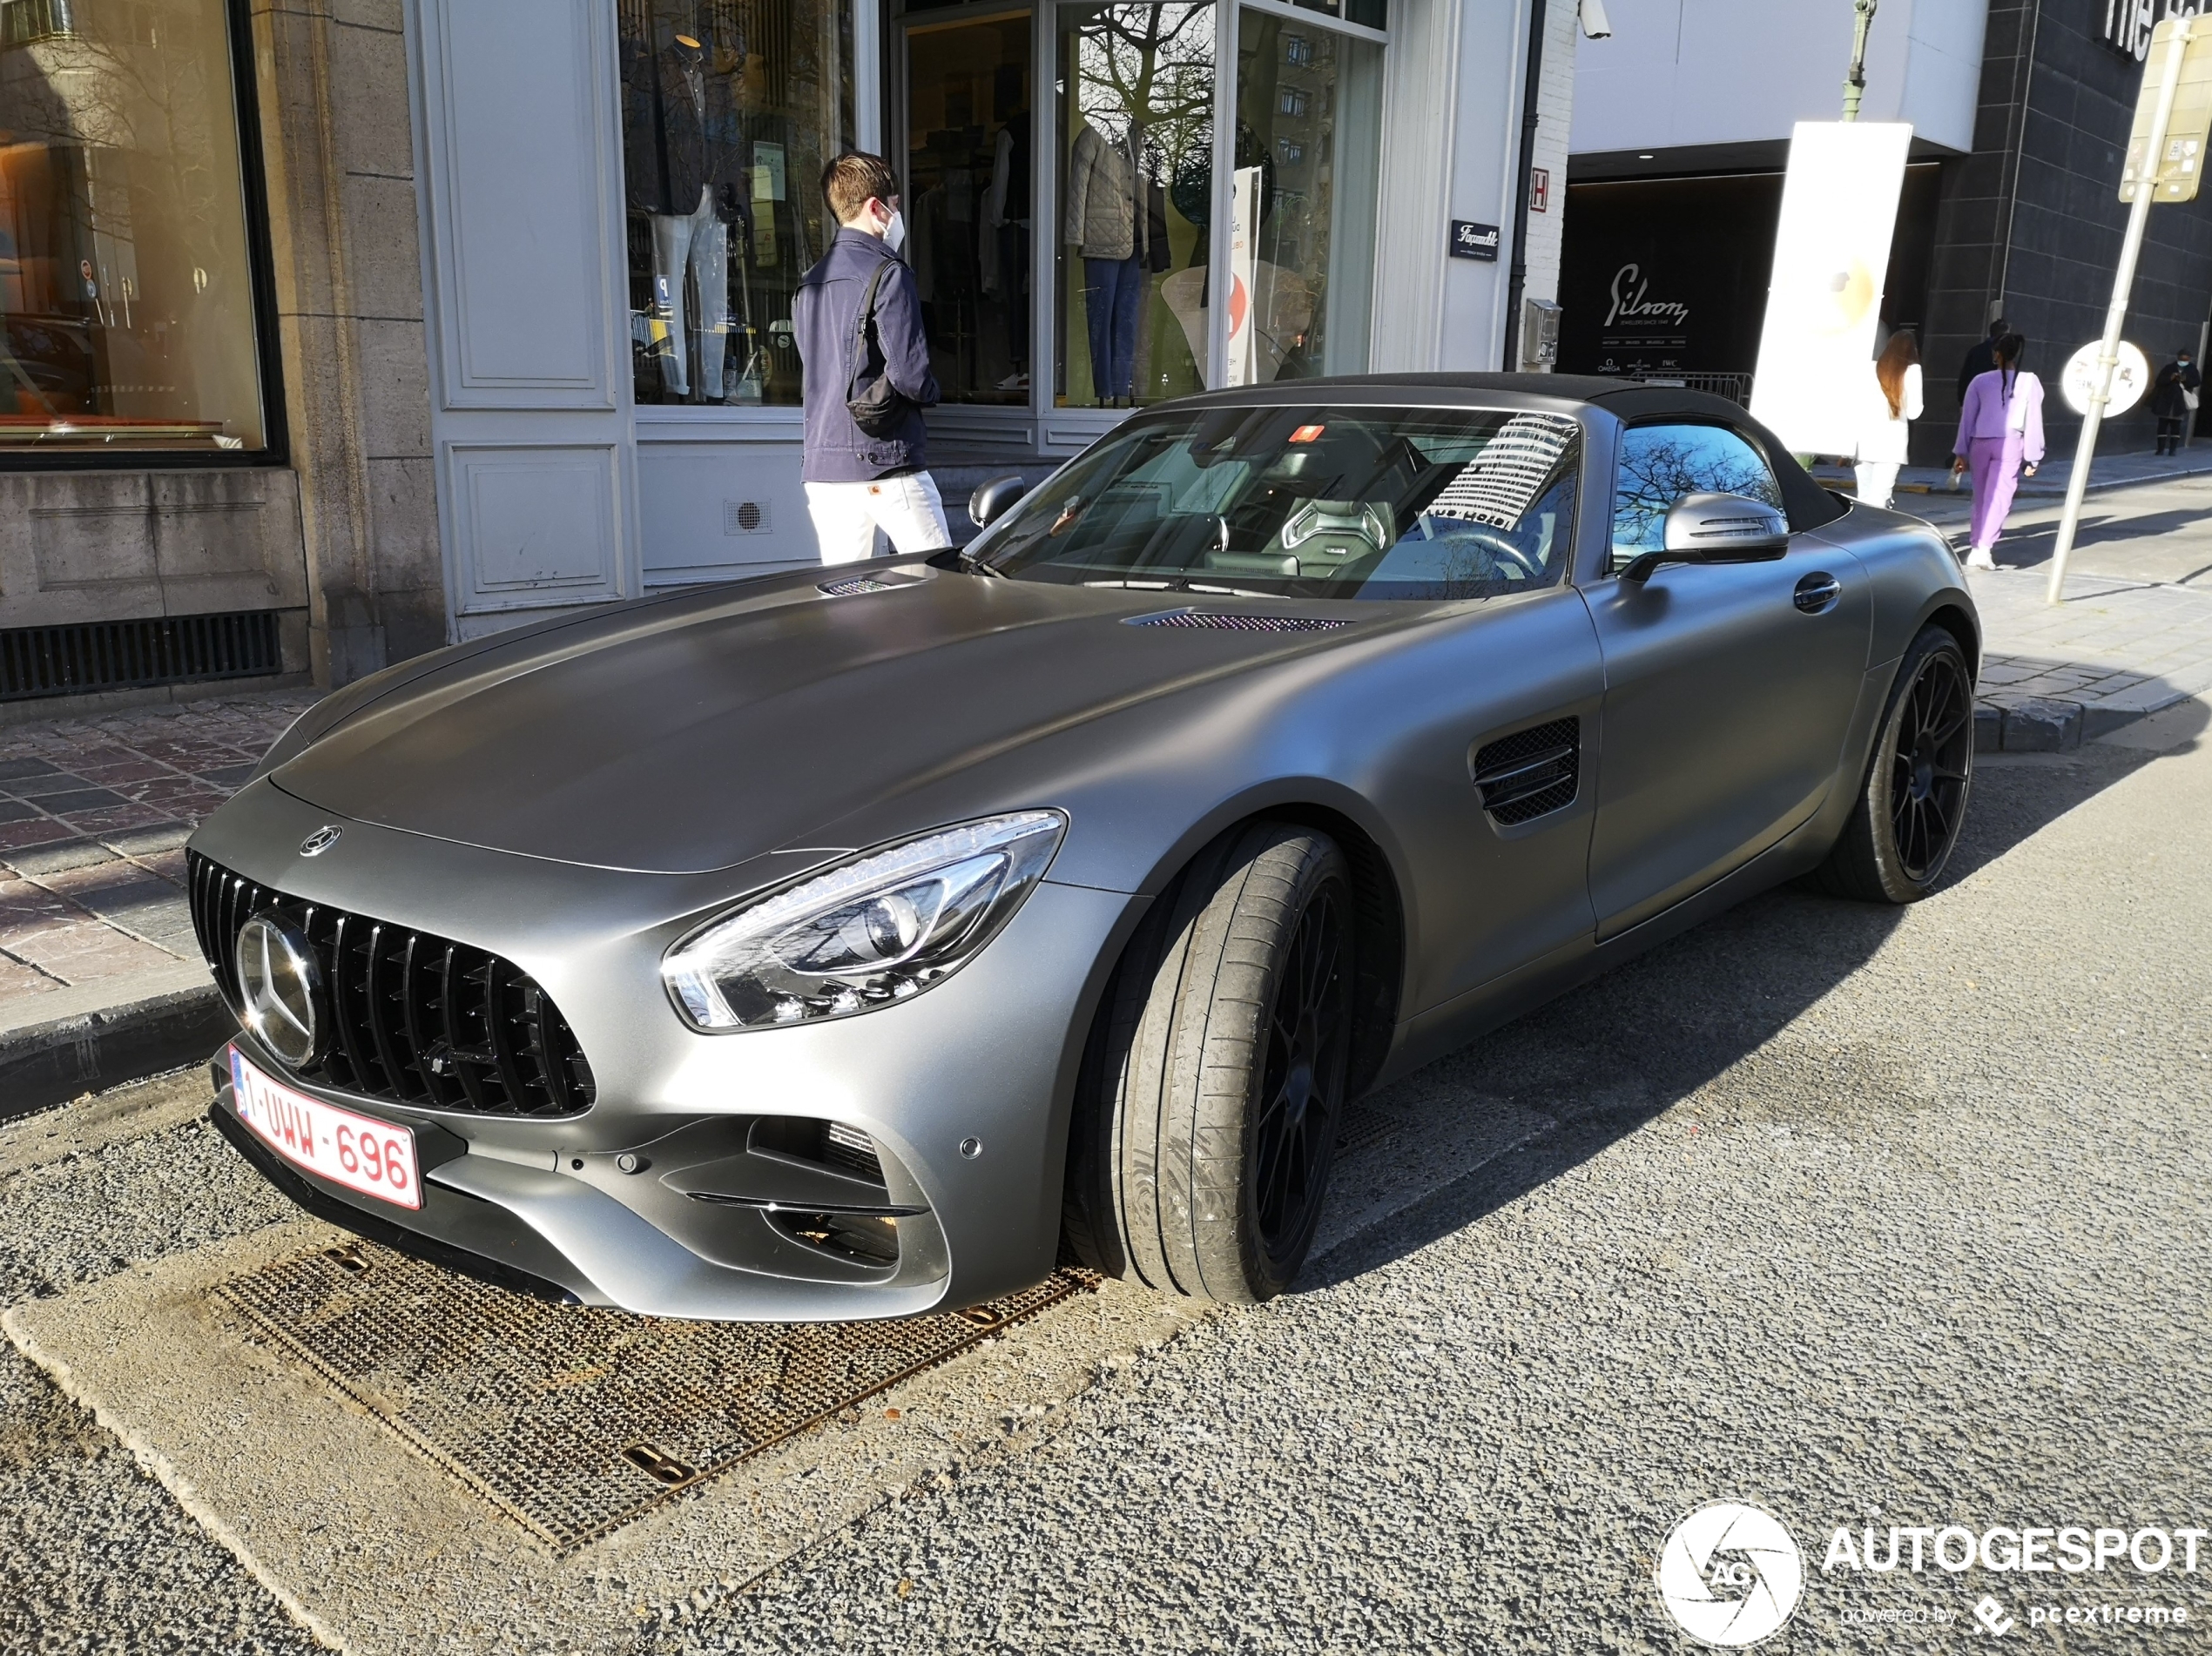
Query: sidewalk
x=98 y=968
x=1925 y=491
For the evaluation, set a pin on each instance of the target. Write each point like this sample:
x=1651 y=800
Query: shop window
x=1135 y=138
x=968 y=195
x=1302 y=211
x=731 y=109
x=127 y=319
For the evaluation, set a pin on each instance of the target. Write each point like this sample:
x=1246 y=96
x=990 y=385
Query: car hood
x=687 y=736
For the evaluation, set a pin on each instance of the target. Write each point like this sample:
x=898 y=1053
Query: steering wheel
x=1498 y=545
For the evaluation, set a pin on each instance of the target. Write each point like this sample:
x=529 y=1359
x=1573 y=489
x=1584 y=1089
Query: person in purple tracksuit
x=2000 y=438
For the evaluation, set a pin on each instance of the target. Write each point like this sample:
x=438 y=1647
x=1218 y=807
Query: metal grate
x=1363 y=1125
x=124 y=655
x=1221 y=620
x=857 y=583
x=1530 y=772
x=852 y=1150
x=415 y=1019
x=570 y=1420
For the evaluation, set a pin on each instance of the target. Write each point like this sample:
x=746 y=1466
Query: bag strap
x=860 y=323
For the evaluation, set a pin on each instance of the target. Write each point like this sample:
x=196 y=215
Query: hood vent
x=858 y=583
x=1230 y=621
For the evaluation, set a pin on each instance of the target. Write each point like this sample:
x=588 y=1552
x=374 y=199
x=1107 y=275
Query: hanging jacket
x=823 y=314
x=1102 y=218
x=681 y=136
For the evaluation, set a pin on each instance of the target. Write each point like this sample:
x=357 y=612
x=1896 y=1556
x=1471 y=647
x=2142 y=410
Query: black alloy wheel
x=1205 y=1123
x=1302 y=1082
x=1932 y=761
x=1913 y=799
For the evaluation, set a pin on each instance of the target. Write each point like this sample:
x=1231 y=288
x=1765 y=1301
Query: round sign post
x=2130 y=379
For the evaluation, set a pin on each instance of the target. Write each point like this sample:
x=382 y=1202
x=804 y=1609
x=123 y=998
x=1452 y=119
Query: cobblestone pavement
x=94 y=813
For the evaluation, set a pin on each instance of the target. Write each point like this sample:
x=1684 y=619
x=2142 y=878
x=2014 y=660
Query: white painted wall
x=1678 y=72
x=1554 y=120
x=1485 y=163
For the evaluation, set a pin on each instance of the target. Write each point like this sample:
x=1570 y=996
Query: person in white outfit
x=1891 y=409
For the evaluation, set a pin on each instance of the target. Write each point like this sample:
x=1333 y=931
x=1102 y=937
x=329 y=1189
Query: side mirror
x=1716 y=529
x=989 y=503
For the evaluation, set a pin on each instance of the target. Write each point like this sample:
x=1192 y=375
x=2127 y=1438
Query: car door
x=1728 y=687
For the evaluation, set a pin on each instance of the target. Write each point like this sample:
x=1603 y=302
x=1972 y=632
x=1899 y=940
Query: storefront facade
x=333 y=335
x=2020 y=111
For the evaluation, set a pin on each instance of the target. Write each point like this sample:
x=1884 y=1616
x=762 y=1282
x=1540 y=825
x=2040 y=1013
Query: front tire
x=1913 y=799
x=1206 y=1123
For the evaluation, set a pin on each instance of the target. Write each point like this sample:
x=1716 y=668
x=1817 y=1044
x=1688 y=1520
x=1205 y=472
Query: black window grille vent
x=126 y=655
x=1530 y=772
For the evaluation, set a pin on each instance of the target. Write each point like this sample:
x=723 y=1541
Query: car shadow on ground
x=1560 y=1085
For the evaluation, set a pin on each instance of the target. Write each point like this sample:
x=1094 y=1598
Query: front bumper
x=672 y=1195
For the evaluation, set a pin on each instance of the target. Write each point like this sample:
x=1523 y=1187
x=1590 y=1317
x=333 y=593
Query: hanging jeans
x=699 y=242
x=1111 y=290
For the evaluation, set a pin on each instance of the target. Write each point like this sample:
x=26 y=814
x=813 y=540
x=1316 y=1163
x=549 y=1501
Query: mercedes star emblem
x=319 y=841
x=282 y=987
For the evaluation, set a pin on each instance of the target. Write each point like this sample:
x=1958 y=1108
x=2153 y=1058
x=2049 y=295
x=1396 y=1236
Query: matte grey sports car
x=848 y=943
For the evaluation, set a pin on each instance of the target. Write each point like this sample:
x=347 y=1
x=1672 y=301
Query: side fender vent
x=1221 y=620
x=1523 y=776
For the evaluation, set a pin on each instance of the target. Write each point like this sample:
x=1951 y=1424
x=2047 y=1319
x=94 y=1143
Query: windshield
x=1309 y=503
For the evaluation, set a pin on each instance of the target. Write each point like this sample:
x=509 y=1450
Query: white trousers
x=1877 y=481
x=847 y=515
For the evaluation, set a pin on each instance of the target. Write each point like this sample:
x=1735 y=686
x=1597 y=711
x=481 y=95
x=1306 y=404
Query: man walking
x=856 y=483
x=1980 y=358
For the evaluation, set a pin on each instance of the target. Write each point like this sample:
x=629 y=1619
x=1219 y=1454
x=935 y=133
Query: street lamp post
x=1855 y=78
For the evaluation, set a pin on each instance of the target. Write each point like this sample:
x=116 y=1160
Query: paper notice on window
x=1831 y=251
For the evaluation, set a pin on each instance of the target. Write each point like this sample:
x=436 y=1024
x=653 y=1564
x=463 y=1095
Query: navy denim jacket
x=827 y=305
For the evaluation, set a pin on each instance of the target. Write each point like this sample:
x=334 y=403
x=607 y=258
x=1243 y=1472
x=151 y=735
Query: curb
x=2046 y=724
x=50 y=1063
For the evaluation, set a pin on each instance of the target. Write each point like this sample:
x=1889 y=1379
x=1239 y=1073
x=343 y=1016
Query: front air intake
x=1230 y=621
x=415 y=1019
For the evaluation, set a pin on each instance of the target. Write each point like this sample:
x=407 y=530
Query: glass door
x=969 y=198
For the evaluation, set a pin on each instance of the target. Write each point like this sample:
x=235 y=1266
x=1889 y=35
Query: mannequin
x=1108 y=220
x=1004 y=245
x=684 y=160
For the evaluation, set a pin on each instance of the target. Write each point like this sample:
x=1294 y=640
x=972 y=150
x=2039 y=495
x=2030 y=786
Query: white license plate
x=359 y=1151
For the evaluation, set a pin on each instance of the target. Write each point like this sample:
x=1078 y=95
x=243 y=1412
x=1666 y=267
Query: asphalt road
x=1866 y=1216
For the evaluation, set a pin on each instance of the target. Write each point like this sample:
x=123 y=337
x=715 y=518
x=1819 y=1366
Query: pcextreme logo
x=1730 y=1574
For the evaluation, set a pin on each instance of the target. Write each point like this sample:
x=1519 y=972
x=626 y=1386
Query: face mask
x=895 y=233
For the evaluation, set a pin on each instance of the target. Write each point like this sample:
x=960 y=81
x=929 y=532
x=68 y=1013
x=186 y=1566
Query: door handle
x=1816 y=592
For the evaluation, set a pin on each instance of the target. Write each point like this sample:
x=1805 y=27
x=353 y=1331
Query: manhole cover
x=575 y=1420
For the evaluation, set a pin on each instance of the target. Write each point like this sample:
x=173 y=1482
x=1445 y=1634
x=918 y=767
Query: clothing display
x=1004 y=245
x=1112 y=291
x=907 y=507
x=700 y=243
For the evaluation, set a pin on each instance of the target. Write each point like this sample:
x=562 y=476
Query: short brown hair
x=855 y=176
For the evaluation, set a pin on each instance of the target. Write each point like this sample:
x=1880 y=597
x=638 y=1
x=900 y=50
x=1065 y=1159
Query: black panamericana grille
x=1524 y=775
x=1221 y=620
x=413 y=1019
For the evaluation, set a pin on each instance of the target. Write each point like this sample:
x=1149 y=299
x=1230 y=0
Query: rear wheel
x=1913 y=801
x=1214 y=1085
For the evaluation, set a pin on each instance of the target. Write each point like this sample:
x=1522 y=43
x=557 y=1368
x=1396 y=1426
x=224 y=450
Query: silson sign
x=2127 y=23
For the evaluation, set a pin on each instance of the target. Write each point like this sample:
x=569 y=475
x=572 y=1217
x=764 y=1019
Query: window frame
x=260 y=262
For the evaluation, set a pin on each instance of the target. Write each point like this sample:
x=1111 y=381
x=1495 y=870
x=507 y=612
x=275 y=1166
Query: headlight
x=881 y=927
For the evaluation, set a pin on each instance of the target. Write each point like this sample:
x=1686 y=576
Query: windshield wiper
x=1182 y=585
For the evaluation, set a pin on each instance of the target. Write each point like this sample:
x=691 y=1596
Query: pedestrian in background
x=1981 y=357
x=2173 y=399
x=857 y=482
x=2000 y=437
x=1890 y=410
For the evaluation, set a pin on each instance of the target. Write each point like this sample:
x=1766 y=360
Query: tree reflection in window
x=1659 y=464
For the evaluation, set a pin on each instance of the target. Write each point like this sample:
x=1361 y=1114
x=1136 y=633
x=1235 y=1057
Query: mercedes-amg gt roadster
x=857 y=943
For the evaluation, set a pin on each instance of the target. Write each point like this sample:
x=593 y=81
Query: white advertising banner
x=1831 y=250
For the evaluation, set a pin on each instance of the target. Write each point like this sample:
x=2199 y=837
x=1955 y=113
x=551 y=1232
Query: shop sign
x=1474 y=241
x=2125 y=25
